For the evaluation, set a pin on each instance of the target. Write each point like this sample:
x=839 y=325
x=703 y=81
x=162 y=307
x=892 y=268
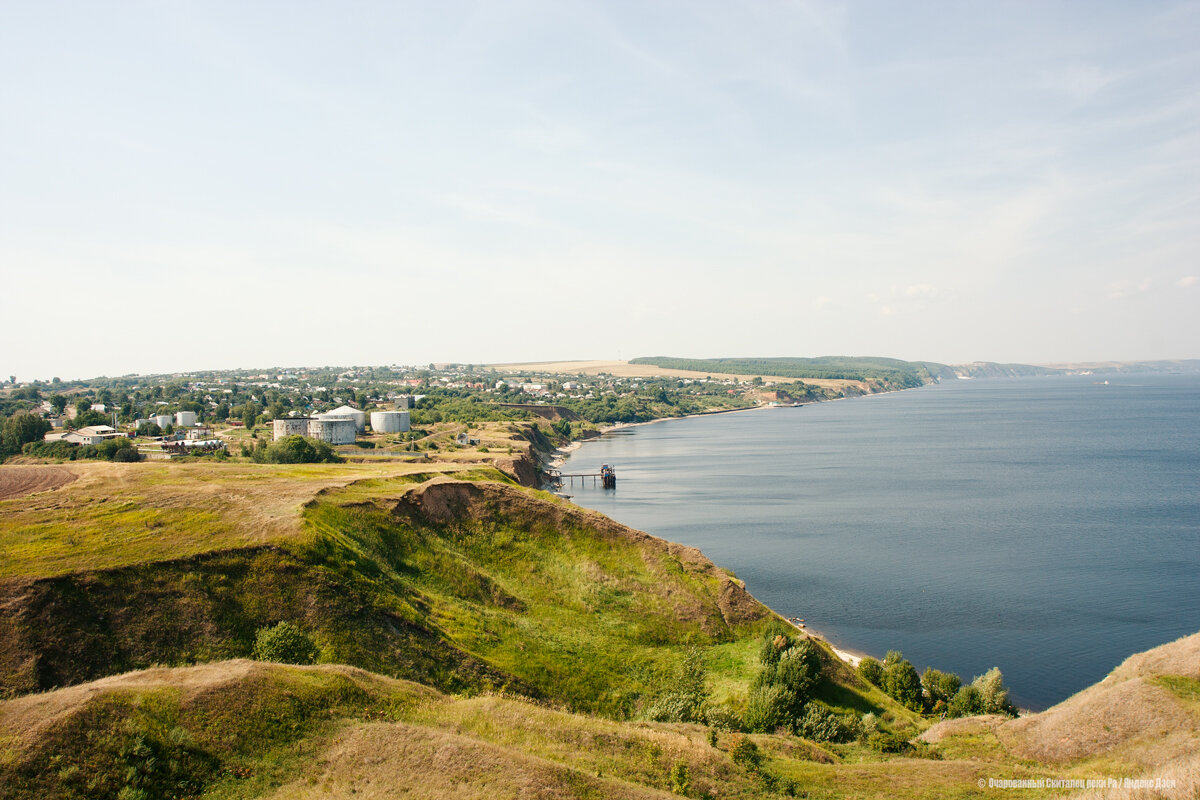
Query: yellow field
x=623 y=369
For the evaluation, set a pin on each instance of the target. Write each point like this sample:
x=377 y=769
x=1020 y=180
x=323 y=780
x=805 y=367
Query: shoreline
x=849 y=656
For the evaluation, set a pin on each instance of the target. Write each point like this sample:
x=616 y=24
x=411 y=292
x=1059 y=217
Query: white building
x=92 y=434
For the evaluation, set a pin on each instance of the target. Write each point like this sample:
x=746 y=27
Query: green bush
x=824 y=725
x=722 y=719
x=745 y=753
x=681 y=781
x=297 y=450
x=767 y=708
x=286 y=643
x=940 y=687
x=901 y=681
x=985 y=695
x=870 y=671
x=883 y=742
x=59 y=449
x=684 y=702
x=967 y=702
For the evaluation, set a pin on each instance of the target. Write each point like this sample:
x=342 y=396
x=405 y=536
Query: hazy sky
x=189 y=185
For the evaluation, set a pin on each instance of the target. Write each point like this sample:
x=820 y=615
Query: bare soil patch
x=20 y=481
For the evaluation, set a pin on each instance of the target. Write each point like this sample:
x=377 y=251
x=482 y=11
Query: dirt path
x=18 y=481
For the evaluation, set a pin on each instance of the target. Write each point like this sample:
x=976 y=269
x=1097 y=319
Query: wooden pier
x=606 y=477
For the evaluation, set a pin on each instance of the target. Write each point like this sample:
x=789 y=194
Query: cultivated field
x=20 y=481
x=623 y=369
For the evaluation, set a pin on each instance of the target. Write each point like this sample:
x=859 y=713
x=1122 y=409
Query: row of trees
x=937 y=692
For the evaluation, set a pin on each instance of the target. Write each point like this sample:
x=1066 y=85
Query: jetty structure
x=606 y=477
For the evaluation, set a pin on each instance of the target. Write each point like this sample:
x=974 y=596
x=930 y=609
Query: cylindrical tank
x=185 y=418
x=163 y=420
x=334 y=431
x=389 y=421
x=290 y=426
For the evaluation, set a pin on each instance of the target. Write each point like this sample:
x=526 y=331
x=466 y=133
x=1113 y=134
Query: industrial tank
x=290 y=426
x=334 y=431
x=347 y=412
x=163 y=420
x=389 y=421
x=185 y=418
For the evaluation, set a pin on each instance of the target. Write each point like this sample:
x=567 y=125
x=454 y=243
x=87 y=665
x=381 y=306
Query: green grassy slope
x=464 y=586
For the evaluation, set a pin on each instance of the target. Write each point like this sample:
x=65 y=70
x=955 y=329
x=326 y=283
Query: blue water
x=1048 y=526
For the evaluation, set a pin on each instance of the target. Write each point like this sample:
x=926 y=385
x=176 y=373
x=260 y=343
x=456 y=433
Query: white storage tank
x=332 y=430
x=290 y=426
x=163 y=420
x=185 y=418
x=389 y=421
x=346 y=412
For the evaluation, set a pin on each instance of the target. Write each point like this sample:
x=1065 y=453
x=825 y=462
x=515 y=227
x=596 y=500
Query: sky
x=205 y=185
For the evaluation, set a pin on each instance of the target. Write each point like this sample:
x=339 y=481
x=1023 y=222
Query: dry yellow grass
x=392 y=760
x=1120 y=711
x=117 y=514
x=1130 y=725
x=623 y=369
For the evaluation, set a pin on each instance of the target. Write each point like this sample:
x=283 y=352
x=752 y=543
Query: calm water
x=1048 y=526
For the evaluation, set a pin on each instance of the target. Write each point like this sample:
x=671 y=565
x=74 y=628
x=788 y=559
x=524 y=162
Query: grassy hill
x=476 y=638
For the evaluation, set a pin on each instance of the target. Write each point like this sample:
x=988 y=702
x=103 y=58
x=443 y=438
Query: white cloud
x=921 y=290
x=1187 y=281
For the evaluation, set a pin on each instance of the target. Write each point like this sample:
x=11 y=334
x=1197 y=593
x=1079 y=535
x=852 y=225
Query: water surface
x=1048 y=526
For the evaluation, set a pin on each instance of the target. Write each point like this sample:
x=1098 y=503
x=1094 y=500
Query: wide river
x=1048 y=526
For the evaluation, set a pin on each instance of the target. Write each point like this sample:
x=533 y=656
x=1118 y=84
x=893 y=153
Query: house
x=466 y=440
x=92 y=434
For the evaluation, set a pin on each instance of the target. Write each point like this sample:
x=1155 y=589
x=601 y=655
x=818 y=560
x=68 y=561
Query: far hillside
x=892 y=372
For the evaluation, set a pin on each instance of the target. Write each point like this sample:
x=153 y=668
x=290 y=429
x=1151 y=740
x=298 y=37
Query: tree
x=940 y=687
x=901 y=681
x=870 y=671
x=298 y=450
x=58 y=403
x=993 y=693
x=19 y=429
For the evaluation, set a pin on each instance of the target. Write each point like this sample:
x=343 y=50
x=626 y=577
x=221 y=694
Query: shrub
x=127 y=454
x=767 y=708
x=684 y=702
x=940 y=687
x=297 y=450
x=870 y=671
x=823 y=725
x=722 y=719
x=883 y=742
x=286 y=643
x=59 y=449
x=711 y=737
x=966 y=702
x=993 y=693
x=745 y=753
x=680 y=779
